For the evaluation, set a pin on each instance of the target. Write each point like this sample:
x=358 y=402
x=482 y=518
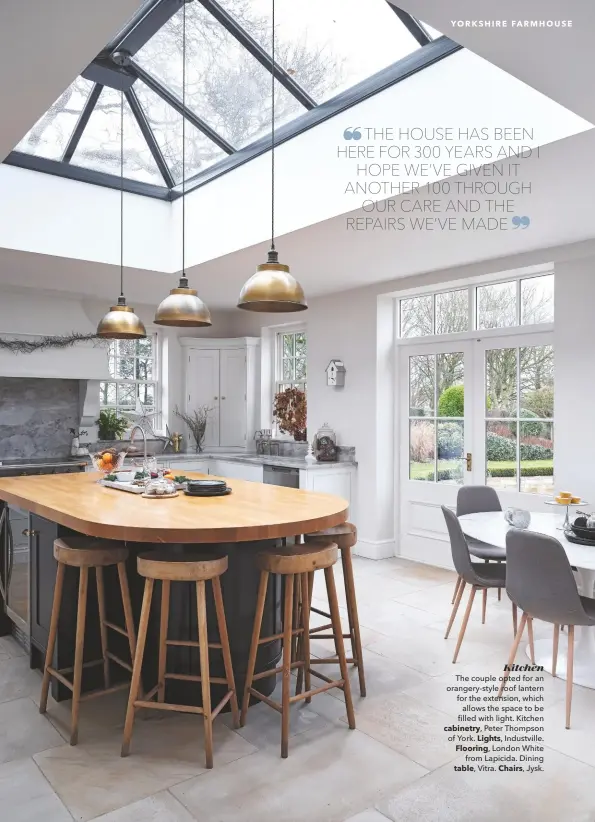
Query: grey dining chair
x=475 y=499
x=476 y=574
x=540 y=581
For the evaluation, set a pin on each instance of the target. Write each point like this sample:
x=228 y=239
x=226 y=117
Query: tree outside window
x=133 y=371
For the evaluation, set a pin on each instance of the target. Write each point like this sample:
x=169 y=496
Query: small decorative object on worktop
x=196 y=421
x=160 y=488
x=108 y=461
x=518 y=518
x=325 y=444
x=290 y=409
x=76 y=450
x=335 y=373
x=310 y=458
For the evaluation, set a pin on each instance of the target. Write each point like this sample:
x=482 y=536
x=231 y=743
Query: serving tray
x=123 y=486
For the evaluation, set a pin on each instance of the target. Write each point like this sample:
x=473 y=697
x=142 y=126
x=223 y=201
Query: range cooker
x=15 y=536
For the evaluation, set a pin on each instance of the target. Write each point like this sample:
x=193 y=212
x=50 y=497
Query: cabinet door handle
x=222 y=398
x=216 y=398
x=30 y=532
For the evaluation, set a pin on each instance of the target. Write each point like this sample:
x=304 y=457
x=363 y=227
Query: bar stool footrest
x=274 y=671
x=168 y=706
x=122 y=686
x=332 y=683
x=270 y=702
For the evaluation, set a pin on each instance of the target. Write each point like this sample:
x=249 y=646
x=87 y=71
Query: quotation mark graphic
x=352 y=133
x=521 y=222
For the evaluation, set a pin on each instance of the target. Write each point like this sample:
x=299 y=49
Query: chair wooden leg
x=513 y=651
x=127 y=604
x=514 y=618
x=455 y=609
x=339 y=645
x=465 y=621
x=163 y=625
x=137 y=665
x=352 y=615
x=531 y=641
x=203 y=641
x=79 y=645
x=296 y=618
x=305 y=644
x=555 y=650
x=300 y=674
x=286 y=675
x=225 y=650
x=49 y=654
x=569 y=673
x=456 y=590
x=102 y=626
x=484 y=605
x=260 y=600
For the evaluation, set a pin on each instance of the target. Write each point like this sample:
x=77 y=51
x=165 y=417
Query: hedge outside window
x=133 y=371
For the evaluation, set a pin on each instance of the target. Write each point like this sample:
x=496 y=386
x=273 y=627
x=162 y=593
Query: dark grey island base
x=240 y=586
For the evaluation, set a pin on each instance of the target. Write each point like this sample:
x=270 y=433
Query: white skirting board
x=375 y=549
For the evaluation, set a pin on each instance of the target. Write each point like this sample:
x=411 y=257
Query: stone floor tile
x=162 y=807
x=23 y=731
x=26 y=796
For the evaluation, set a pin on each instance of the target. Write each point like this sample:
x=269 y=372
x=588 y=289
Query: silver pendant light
x=183 y=307
x=120 y=322
x=272 y=289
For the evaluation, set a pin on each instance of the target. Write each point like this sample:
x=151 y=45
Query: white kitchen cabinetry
x=339 y=480
x=181 y=466
x=224 y=375
x=236 y=470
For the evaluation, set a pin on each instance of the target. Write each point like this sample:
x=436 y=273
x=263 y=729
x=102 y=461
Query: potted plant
x=290 y=409
x=111 y=426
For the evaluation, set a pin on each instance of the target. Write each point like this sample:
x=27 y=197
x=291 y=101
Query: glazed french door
x=471 y=412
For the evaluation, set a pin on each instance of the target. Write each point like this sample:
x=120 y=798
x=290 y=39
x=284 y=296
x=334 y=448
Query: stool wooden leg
x=300 y=674
x=163 y=623
x=49 y=654
x=356 y=642
x=78 y=653
x=225 y=649
x=339 y=645
x=138 y=664
x=203 y=641
x=102 y=628
x=260 y=600
x=305 y=643
x=295 y=640
x=127 y=604
x=286 y=676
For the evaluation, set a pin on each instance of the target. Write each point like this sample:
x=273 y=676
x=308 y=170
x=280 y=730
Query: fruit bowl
x=108 y=461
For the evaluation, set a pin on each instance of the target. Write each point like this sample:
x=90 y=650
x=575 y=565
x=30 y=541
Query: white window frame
x=472 y=289
x=155 y=381
x=280 y=382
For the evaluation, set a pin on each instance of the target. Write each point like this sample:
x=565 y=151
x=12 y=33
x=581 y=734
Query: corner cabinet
x=223 y=374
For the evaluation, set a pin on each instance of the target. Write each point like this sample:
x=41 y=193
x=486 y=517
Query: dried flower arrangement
x=196 y=421
x=290 y=411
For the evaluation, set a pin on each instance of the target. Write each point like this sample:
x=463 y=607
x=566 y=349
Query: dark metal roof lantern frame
x=115 y=67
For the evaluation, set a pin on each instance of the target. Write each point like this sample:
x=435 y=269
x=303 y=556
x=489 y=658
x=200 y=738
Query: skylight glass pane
x=99 y=146
x=225 y=85
x=434 y=33
x=50 y=134
x=166 y=125
x=327 y=46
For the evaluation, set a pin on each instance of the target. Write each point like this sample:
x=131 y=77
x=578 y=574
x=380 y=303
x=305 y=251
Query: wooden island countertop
x=253 y=511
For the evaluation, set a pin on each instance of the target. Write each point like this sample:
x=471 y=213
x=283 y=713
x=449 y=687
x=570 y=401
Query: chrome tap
x=144 y=433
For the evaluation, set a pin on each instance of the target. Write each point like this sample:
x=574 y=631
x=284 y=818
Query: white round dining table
x=491 y=527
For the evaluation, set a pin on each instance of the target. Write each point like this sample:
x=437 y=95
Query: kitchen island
x=254 y=516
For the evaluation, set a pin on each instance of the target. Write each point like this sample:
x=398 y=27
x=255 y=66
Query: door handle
x=469 y=461
x=30 y=532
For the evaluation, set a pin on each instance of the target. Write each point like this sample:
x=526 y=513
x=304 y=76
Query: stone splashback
x=35 y=415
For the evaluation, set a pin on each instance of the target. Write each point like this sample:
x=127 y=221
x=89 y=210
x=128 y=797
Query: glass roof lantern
x=331 y=55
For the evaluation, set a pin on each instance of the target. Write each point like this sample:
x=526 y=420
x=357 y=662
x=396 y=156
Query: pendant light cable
x=121 y=194
x=184 y=139
x=273 y=131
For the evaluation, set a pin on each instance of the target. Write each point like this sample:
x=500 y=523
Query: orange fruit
x=107 y=458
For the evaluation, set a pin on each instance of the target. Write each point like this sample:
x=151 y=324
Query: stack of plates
x=207 y=488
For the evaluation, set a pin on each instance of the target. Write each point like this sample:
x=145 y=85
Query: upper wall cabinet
x=224 y=375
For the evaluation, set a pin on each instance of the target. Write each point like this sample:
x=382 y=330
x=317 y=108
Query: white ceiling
x=559 y=62
x=44 y=45
x=326 y=257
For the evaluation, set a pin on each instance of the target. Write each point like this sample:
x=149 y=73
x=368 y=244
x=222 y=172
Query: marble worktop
x=249 y=459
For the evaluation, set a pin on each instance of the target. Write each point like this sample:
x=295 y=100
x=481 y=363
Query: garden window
x=133 y=377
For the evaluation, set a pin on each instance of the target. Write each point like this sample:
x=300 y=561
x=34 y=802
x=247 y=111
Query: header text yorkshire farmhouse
x=515 y=24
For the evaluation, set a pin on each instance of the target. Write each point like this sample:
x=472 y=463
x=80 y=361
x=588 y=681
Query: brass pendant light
x=120 y=322
x=183 y=307
x=272 y=289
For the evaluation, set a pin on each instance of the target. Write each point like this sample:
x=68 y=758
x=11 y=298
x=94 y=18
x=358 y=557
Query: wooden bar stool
x=198 y=568
x=85 y=553
x=345 y=537
x=296 y=564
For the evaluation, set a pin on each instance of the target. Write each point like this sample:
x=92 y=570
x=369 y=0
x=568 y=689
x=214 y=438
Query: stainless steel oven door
x=17 y=568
